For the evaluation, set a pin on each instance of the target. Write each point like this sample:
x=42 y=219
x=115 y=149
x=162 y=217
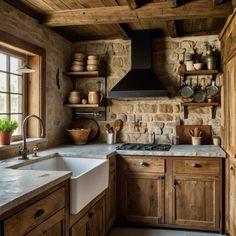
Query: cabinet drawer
x=196 y=166
x=143 y=164
x=25 y=220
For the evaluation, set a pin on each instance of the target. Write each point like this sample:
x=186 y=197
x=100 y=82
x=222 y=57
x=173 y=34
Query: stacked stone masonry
x=158 y=115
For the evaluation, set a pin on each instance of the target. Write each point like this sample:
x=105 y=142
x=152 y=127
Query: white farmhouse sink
x=89 y=177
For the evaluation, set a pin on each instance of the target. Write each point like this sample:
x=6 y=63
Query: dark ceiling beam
x=171 y=29
x=217 y=2
x=172 y=3
x=24 y=8
x=123 y=14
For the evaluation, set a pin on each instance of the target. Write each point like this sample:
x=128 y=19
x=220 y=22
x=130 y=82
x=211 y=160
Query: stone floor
x=156 y=232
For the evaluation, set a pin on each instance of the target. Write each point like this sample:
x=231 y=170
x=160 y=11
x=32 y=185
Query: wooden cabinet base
x=183 y=193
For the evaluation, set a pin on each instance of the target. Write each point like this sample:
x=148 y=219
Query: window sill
x=16 y=144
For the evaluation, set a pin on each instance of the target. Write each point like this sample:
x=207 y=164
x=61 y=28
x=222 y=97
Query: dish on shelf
x=86 y=123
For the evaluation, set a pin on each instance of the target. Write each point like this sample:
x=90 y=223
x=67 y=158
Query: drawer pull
x=90 y=214
x=143 y=163
x=232 y=167
x=196 y=165
x=112 y=164
x=38 y=213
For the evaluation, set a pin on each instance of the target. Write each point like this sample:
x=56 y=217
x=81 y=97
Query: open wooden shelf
x=201 y=72
x=214 y=105
x=84 y=74
x=82 y=105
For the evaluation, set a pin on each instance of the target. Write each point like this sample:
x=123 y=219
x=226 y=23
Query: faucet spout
x=24 y=150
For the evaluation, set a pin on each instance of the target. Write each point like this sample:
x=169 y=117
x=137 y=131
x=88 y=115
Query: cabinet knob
x=38 y=213
x=232 y=167
x=90 y=214
x=196 y=165
x=143 y=163
x=174 y=184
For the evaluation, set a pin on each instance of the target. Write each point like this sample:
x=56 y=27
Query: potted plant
x=6 y=129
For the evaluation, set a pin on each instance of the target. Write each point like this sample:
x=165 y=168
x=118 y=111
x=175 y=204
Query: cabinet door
x=97 y=218
x=232 y=199
x=142 y=198
x=81 y=228
x=111 y=200
x=55 y=225
x=196 y=202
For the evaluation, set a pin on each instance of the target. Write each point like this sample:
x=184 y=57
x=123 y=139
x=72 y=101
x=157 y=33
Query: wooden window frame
x=23 y=112
x=37 y=60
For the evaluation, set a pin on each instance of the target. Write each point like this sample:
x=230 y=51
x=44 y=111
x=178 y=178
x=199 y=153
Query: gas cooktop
x=144 y=147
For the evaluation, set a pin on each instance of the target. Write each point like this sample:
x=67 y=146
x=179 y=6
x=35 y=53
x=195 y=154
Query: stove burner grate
x=144 y=147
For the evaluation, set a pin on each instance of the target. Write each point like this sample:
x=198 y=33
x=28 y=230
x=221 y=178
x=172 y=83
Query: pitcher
x=94 y=97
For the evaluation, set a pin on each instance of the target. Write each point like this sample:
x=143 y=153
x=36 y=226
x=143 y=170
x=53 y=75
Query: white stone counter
x=18 y=186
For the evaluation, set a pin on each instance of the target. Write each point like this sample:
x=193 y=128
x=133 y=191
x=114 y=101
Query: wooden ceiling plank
x=172 y=3
x=132 y=4
x=171 y=28
x=234 y=3
x=123 y=14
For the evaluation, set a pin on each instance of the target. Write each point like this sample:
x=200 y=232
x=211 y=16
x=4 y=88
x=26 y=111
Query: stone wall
x=159 y=115
x=58 y=52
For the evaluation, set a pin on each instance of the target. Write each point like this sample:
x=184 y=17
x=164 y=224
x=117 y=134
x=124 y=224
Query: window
x=22 y=94
x=12 y=100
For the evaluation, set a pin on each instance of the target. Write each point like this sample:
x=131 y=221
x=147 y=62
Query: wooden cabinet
x=182 y=192
x=111 y=194
x=46 y=216
x=141 y=190
x=93 y=222
x=196 y=193
x=228 y=47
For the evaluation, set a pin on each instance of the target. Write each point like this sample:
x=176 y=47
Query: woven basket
x=79 y=136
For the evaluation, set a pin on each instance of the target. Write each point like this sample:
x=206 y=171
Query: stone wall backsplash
x=158 y=115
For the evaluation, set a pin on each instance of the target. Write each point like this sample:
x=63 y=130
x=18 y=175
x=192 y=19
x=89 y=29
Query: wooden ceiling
x=108 y=19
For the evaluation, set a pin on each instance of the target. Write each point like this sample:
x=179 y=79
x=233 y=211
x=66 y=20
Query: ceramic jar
x=74 y=97
x=94 y=97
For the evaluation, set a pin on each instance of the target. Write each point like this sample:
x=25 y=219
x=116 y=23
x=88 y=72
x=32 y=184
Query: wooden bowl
x=79 y=55
x=77 y=68
x=79 y=136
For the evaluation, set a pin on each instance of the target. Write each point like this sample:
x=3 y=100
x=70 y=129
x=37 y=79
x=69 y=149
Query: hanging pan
x=212 y=90
x=186 y=91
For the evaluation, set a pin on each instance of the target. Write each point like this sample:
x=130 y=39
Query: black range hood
x=140 y=81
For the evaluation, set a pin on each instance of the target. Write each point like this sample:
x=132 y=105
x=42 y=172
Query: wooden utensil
x=108 y=128
x=117 y=125
x=184 y=136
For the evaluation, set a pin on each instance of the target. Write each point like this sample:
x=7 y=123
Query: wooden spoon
x=108 y=128
x=117 y=125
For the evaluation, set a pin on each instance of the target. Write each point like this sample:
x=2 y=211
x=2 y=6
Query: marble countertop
x=18 y=186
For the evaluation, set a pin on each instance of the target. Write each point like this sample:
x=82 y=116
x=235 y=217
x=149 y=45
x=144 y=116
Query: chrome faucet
x=24 y=150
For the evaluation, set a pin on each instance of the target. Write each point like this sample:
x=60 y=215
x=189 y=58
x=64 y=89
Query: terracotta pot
x=5 y=137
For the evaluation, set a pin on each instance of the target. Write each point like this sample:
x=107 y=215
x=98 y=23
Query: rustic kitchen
x=118 y=117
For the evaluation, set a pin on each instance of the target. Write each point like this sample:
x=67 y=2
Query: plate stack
x=92 y=63
x=78 y=63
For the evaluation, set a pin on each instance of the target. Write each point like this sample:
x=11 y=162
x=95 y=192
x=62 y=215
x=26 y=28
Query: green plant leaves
x=8 y=125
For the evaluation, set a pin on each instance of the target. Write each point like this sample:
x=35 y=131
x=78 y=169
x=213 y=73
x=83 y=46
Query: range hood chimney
x=140 y=81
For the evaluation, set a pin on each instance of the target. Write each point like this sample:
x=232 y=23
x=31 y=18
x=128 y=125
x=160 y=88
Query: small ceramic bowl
x=92 y=57
x=77 y=68
x=80 y=63
x=78 y=55
x=92 y=67
x=92 y=62
x=198 y=66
